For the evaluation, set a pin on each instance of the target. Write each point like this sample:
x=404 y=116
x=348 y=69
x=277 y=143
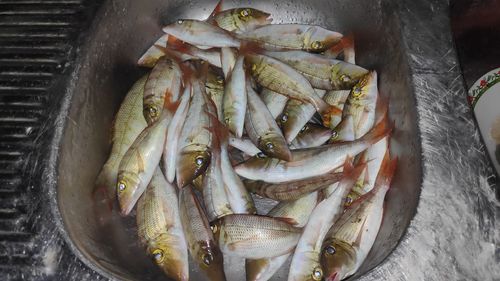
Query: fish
x=281 y=78
x=239 y=199
x=296 y=115
x=200 y=33
x=309 y=38
x=292 y=190
x=160 y=229
x=196 y=138
x=262 y=128
x=215 y=196
x=240 y=20
x=163 y=87
x=235 y=99
x=139 y=163
x=228 y=57
x=306 y=257
x=321 y=72
x=202 y=246
x=245 y=145
x=298 y=211
x=349 y=241
x=311 y=135
x=128 y=124
x=214 y=87
x=373 y=158
x=361 y=104
x=174 y=130
x=275 y=102
x=154 y=53
x=338 y=99
x=254 y=236
x=308 y=162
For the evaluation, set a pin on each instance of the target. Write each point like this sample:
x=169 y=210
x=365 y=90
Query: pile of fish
x=235 y=109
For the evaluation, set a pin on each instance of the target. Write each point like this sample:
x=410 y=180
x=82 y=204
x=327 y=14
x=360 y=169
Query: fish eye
x=244 y=13
x=214 y=228
x=356 y=92
x=261 y=155
x=180 y=21
x=348 y=200
x=284 y=118
x=153 y=112
x=345 y=78
x=330 y=250
x=207 y=259
x=199 y=161
x=269 y=145
x=158 y=256
x=317 y=273
x=316 y=45
x=122 y=186
x=335 y=135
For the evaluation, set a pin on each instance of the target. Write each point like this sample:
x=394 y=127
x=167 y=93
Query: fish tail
x=383 y=182
x=216 y=10
x=381 y=130
x=386 y=173
x=346 y=42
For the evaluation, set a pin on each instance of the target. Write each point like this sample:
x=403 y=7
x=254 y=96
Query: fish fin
x=348 y=165
x=249 y=47
x=381 y=130
x=327 y=112
x=219 y=131
x=216 y=10
x=170 y=105
x=288 y=220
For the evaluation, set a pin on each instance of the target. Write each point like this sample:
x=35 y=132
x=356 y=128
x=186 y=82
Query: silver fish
x=255 y=237
x=139 y=163
x=202 y=246
x=349 y=241
x=361 y=104
x=322 y=73
x=170 y=152
x=201 y=33
x=306 y=258
x=160 y=229
x=162 y=89
x=293 y=36
x=262 y=128
x=235 y=99
x=308 y=162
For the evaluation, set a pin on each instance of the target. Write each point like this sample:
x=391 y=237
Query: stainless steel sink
x=125 y=29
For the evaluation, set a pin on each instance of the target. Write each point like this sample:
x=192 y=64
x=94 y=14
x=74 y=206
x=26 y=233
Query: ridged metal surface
x=36 y=49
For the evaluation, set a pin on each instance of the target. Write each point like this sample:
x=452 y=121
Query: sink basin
x=120 y=34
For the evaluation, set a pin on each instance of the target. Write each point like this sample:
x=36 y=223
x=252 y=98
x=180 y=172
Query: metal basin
x=124 y=29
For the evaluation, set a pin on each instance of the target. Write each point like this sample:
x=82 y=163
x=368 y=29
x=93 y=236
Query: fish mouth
x=126 y=205
x=175 y=269
x=333 y=277
x=190 y=165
